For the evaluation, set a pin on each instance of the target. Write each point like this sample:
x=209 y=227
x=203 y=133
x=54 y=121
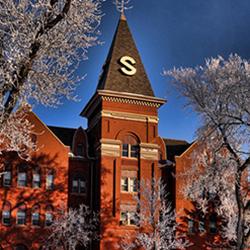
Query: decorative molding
x=129 y=116
x=110 y=147
x=149 y=151
x=128 y=207
x=131 y=101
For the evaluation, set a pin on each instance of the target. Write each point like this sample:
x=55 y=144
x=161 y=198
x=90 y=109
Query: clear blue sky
x=168 y=33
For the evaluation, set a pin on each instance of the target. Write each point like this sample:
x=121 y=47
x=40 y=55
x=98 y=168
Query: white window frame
x=129 y=151
x=128 y=218
x=130 y=185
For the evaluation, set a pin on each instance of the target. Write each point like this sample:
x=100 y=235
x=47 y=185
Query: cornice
x=121 y=97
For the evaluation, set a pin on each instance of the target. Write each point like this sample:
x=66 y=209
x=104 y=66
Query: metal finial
x=122 y=5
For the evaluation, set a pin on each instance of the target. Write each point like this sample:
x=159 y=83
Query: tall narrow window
x=191 y=226
x=50 y=180
x=22 y=176
x=48 y=216
x=213 y=223
x=21 y=215
x=79 y=149
x=35 y=216
x=125 y=150
x=124 y=184
x=22 y=179
x=7 y=178
x=6 y=214
x=36 y=180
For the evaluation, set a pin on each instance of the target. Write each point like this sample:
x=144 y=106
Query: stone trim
x=110 y=147
x=149 y=151
x=129 y=116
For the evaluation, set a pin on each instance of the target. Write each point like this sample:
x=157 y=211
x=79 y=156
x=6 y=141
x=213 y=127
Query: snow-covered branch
x=42 y=43
x=77 y=227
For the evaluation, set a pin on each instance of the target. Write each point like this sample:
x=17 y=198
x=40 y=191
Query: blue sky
x=168 y=33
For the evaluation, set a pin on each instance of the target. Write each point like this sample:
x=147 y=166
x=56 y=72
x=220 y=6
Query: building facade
x=99 y=166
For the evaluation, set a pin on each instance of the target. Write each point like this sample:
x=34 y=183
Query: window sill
x=80 y=194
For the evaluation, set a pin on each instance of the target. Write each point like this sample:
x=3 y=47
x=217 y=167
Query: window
x=6 y=214
x=35 y=216
x=7 y=178
x=49 y=216
x=129 y=150
x=202 y=226
x=50 y=181
x=36 y=180
x=22 y=179
x=79 y=149
x=130 y=146
x=127 y=218
x=212 y=223
x=21 y=247
x=129 y=184
x=21 y=215
x=191 y=226
x=79 y=185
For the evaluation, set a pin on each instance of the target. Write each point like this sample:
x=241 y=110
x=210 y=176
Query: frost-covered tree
x=155 y=220
x=220 y=93
x=41 y=45
x=77 y=227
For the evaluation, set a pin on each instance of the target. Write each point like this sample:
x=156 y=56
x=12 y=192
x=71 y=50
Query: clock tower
x=123 y=132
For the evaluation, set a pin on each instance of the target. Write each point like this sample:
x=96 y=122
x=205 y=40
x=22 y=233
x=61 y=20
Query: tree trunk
x=240 y=204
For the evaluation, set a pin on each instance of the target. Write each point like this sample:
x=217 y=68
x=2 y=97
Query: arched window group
x=21 y=215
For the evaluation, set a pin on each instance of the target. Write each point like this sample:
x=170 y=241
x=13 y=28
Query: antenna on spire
x=122 y=5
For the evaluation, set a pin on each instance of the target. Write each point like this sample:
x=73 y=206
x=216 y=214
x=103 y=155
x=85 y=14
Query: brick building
x=99 y=165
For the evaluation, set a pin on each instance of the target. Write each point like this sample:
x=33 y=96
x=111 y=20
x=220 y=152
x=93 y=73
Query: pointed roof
x=112 y=78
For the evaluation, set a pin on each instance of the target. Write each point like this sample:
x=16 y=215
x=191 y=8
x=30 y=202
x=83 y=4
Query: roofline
x=194 y=143
x=111 y=93
x=52 y=133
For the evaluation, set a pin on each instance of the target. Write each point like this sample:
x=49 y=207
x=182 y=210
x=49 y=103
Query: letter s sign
x=128 y=62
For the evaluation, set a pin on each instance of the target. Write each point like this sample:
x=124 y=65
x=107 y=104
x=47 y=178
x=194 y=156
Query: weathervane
x=122 y=5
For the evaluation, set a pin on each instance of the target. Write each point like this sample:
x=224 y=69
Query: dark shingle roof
x=175 y=148
x=112 y=78
x=65 y=135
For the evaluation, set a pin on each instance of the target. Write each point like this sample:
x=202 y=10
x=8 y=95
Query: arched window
x=22 y=176
x=35 y=215
x=6 y=214
x=21 y=247
x=130 y=147
x=79 y=184
x=50 y=180
x=36 y=178
x=48 y=215
x=21 y=215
